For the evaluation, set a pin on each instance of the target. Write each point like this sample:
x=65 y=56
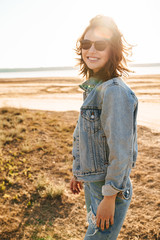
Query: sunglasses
x=98 y=45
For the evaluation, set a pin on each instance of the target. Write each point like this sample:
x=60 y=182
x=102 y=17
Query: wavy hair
x=119 y=51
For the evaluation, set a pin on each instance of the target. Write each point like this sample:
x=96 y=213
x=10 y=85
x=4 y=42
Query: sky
x=43 y=33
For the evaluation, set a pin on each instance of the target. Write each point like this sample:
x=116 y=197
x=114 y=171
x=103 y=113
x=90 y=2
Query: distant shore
x=69 y=71
x=26 y=69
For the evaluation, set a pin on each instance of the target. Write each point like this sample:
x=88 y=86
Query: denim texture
x=105 y=137
x=93 y=197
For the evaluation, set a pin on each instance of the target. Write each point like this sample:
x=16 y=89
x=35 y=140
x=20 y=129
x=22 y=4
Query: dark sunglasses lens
x=100 y=45
x=86 y=44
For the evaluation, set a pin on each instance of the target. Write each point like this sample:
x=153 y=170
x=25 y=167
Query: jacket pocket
x=91 y=119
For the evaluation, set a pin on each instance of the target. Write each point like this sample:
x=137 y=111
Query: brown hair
x=119 y=51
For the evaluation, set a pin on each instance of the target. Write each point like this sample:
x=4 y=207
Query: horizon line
x=20 y=69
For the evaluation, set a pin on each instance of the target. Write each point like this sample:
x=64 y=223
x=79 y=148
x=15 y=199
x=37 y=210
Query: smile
x=92 y=58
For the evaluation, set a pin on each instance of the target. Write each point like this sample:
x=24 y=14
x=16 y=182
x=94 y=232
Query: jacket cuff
x=108 y=190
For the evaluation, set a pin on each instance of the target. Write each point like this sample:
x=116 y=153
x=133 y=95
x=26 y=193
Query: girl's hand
x=75 y=186
x=105 y=212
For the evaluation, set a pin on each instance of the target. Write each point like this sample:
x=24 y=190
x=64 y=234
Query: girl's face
x=93 y=57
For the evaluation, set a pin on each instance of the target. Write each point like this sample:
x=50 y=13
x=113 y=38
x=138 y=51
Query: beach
x=63 y=94
x=38 y=117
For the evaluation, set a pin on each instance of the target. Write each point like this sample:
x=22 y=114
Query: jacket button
x=92 y=116
x=74 y=157
x=74 y=139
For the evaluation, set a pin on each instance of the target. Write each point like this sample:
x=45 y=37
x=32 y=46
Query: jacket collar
x=89 y=84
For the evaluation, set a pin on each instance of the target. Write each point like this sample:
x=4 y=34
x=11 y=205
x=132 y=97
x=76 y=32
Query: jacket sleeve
x=117 y=123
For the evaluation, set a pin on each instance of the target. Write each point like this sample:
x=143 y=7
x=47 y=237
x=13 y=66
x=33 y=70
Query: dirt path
x=149 y=115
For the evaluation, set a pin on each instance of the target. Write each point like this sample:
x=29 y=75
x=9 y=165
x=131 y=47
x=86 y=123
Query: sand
x=63 y=94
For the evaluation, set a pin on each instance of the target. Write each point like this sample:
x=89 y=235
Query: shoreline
x=136 y=76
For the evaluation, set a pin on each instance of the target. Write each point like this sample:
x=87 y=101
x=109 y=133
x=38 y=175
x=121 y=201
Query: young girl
x=105 y=138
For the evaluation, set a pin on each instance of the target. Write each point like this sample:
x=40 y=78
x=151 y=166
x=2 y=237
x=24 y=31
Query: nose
x=92 y=48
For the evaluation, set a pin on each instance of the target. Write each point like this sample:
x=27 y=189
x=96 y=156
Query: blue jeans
x=93 y=197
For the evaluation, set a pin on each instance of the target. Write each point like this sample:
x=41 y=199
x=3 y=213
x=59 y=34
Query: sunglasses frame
x=95 y=44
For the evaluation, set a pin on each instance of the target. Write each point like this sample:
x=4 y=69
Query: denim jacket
x=105 y=137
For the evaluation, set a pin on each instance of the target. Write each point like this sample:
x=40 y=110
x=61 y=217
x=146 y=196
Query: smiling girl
x=105 y=137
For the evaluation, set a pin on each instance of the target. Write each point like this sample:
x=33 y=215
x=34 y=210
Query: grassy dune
x=35 y=165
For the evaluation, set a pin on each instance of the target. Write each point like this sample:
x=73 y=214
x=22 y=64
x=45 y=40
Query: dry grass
x=35 y=165
x=49 y=189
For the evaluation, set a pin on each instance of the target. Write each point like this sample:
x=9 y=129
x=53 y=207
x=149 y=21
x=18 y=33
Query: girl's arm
x=117 y=118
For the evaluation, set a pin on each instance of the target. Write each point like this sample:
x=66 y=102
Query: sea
x=141 y=69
